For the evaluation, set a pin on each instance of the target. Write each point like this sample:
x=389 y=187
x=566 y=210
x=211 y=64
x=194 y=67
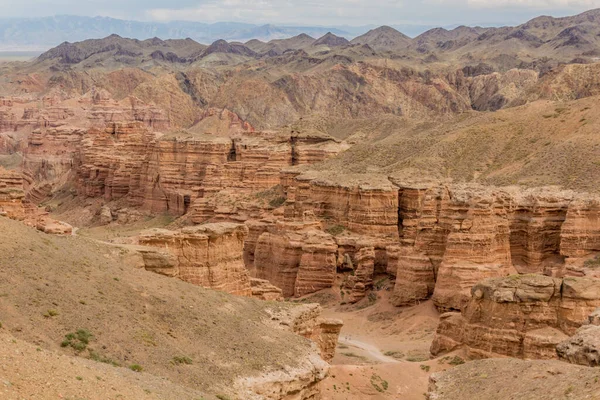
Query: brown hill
x=51 y=287
x=331 y=40
x=384 y=38
x=542 y=143
x=126 y=51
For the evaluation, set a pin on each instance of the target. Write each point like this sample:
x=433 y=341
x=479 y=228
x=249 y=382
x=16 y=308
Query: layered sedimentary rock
x=11 y=194
x=580 y=234
x=264 y=290
x=296 y=257
x=361 y=278
x=369 y=206
x=415 y=279
x=519 y=316
x=111 y=159
x=477 y=249
x=536 y=222
x=583 y=348
x=208 y=255
x=317 y=266
x=306 y=320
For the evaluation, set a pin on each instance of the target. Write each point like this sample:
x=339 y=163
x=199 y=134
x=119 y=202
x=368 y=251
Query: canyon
x=277 y=220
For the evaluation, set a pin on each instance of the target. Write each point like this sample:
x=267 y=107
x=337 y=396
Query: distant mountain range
x=42 y=33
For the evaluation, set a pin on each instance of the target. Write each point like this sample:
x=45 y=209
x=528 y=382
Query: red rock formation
x=317 y=266
x=518 y=316
x=206 y=255
x=296 y=257
x=415 y=279
x=361 y=278
x=11 y=194
x=580 y=234
x=263 y=290
x=306 y=320
x=221 y=122
x=536 y=219
x=366 y=208
x=477 y=249
x=110 y=160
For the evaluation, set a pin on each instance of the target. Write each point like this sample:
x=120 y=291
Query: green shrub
x=178 y=360
x=78 y=340
x=136 y=367
x=277 y=202
x=335 y=230
x=456 y=360
x=378 y=383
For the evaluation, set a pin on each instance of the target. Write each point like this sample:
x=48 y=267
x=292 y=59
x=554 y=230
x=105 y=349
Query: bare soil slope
x=51 y=287
x=542 y=143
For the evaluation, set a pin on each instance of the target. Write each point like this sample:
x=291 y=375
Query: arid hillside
x=538 y=144
x=72 y=296
x=175 y=210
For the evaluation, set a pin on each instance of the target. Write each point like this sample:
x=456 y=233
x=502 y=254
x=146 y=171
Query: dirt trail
x=371 y=350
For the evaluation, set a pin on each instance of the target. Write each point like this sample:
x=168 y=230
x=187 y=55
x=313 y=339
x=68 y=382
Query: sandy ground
x=383 y=352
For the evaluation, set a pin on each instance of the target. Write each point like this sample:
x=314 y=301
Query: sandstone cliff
x=519 y=316
x=206 y=255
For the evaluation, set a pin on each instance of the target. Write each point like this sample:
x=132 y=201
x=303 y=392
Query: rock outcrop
x=477 y=249
x=361 y=279
x=264 y=290
x=208 y=255
x=366 y=208
x=306 y=320
x=518 y=316
x=296 y=257
x=583 y=348
x=11 y=194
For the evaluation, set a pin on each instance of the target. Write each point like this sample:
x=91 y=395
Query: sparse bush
x=78 y=340
x=136 y=367
x=223 y=397
x=378 y=383
x=398 y=355
x=103 y=359
x=425 y=368
x=456 y=360
x=593 y=262
x=178 y=360
x=277 y=202
x=335 y=230
x=51 y=313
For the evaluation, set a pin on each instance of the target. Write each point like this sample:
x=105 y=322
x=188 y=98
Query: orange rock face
x=11 y=194
x=208 y=255
x=306 y=320
x=519 y=316
x=362 y=208
x=580 y=234
x=477 y=249
x=296 y=257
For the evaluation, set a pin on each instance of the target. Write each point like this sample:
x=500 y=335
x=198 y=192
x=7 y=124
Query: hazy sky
x=307 y=12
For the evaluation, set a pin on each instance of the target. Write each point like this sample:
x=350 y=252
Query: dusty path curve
x=372 y=350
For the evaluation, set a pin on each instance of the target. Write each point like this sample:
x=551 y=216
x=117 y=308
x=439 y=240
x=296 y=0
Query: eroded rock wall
x=518 y=316
x=11 y=194
x=208 y=255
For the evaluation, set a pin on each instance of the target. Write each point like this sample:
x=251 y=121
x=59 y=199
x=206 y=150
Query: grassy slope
x=542 y=143
x=136 y=317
